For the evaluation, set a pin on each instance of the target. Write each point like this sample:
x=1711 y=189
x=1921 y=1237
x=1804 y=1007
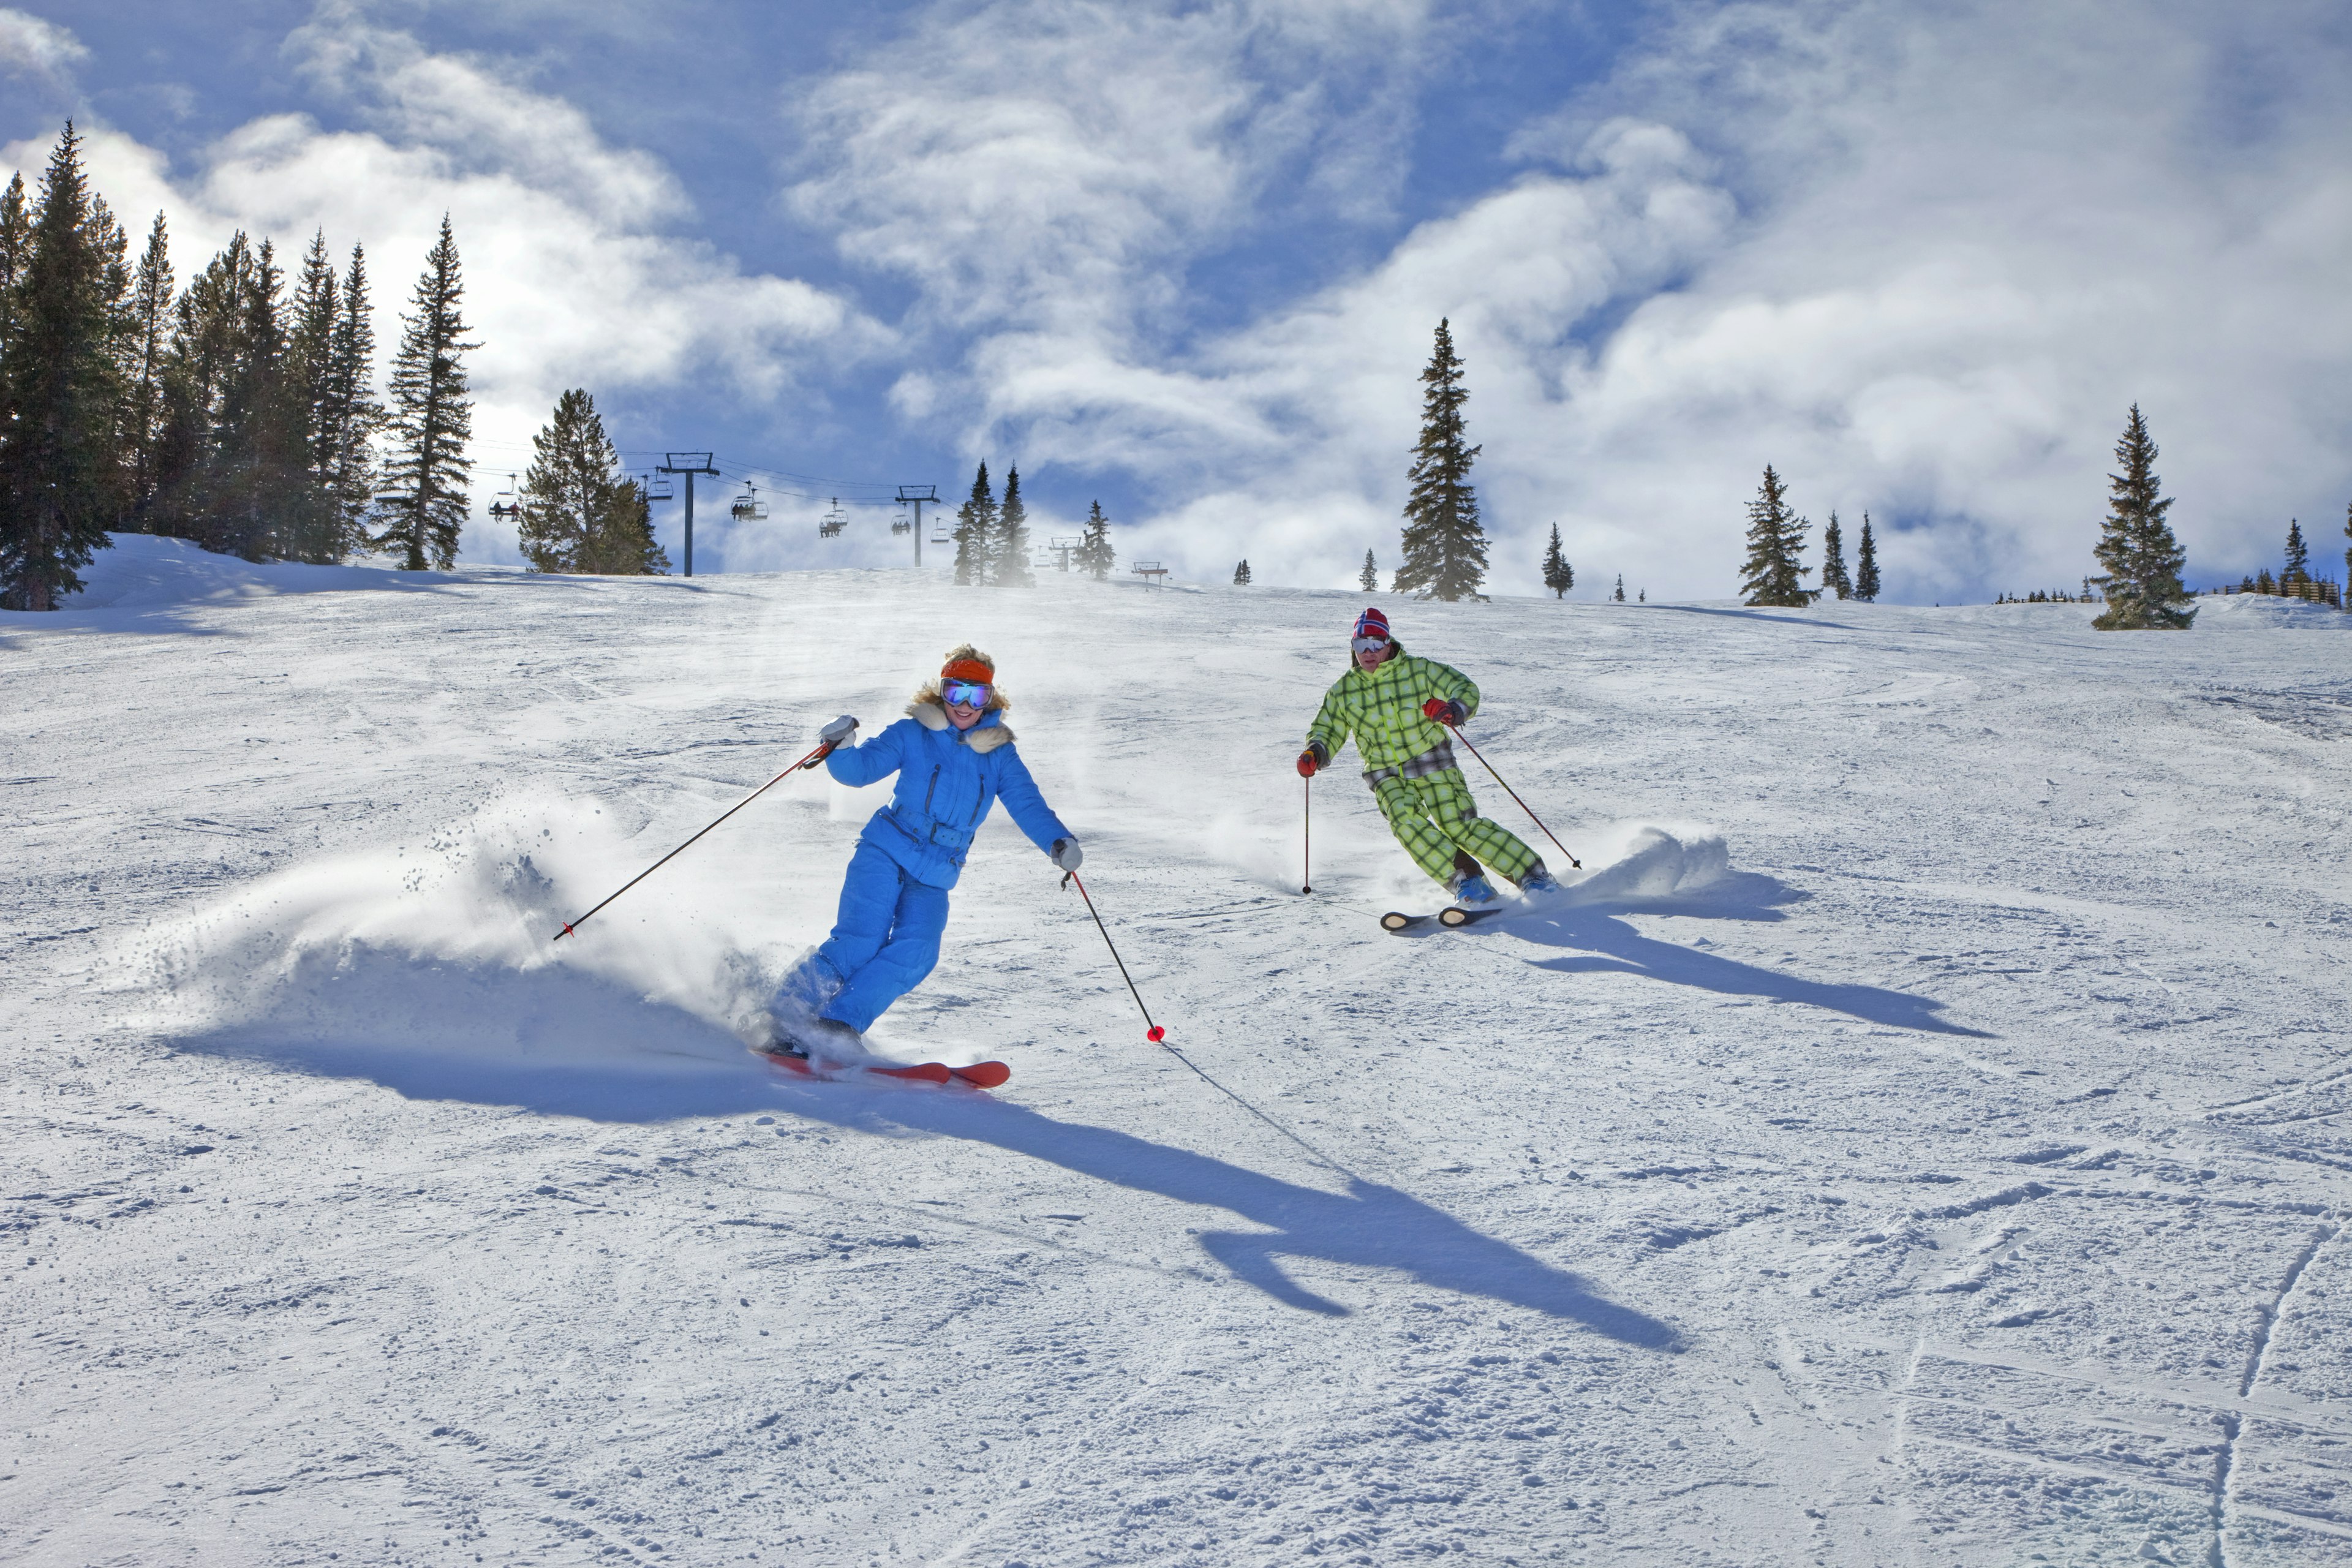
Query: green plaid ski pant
x=1436 y=821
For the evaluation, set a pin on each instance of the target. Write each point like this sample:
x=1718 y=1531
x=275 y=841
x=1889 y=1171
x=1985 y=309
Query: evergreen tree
x=2135 y=544
x=1369 y=578
x=2347 y=558
x=431 y=419
x=60 y=397
x=2298 y=555
x=350 y=415
x=975 y=530
x=580 y=512
x=1444 y=547
x=1866 y=565
x=1242 y=573
x=1095 y=554
x=1620 y=595
x=147 y=345
x=1773 y=573
x=1834 y=578
x=1009 y=561
x=1557 y=575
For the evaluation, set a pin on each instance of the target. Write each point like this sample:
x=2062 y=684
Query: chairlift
x=834 y=521
x=1063 y=549
x=902 y=525
x=659 y=488
x=504 y=505
x=749 y=507
x=941 y=532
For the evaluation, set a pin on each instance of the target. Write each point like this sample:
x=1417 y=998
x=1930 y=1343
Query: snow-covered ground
x=1923 y=1139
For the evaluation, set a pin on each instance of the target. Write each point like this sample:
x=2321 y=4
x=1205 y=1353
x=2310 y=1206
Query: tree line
x=991 y=536
x=239 y=412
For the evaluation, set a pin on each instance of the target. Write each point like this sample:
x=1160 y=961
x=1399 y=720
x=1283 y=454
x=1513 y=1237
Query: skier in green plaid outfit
x=1398 y=707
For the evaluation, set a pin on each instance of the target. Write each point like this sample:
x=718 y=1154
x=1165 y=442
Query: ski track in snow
x=1921 y=1138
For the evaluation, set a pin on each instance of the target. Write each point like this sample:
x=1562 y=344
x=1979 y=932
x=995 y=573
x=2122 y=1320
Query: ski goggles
x=1366 y=644
x=964 y=693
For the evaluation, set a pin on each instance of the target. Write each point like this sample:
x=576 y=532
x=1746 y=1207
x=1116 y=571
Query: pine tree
x=2135 y=544
x=1242 y=573
x=975 y=530
x=1444 y=547
x=431 y=419
x=1866 y=565
x=1095 y=554
x=2298 y=555
x=1369 y=578
x=56 y=449
x=572 y=492
x=1557 y=575
x=1834 y=578
x=140 y=425
x=1620 y=595
x=2347 y=558
x=1773 y=573
x=351 y=417
x=1009 y=561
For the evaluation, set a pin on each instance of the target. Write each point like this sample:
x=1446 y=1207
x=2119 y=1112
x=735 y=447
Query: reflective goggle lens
x=1366 y=644
x=964 y=694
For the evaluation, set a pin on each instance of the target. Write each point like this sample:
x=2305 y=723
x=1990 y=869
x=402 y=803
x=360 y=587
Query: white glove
x=1067 y=854
x=840 y=730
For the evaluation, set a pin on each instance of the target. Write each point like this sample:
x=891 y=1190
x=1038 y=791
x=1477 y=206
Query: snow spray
x=808 y=762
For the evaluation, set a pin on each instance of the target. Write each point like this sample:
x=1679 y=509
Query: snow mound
x=431 y=966
x=144 y=573
x=2264 y=613
x=1638 y=861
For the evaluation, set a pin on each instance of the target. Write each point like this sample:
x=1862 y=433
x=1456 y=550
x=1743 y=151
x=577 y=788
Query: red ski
x=979 y=1075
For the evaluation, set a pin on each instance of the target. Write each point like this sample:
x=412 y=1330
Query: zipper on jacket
x=930 y=790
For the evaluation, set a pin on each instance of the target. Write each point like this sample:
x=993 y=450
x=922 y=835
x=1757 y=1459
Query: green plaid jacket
x=1382 y=709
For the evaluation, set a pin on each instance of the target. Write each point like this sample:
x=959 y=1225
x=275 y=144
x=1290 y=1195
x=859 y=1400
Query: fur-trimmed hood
x=984 y=737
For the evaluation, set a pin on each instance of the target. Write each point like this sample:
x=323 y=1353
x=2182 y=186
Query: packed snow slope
x=1921 y=1137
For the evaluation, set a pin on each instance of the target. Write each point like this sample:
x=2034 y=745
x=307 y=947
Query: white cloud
x=1925 y=262
x=30 y=47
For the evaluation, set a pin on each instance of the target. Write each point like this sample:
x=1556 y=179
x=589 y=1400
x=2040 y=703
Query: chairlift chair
x=503 y=505
x=659 y=488
x=749 y=507
x=833 y=522
x=902 y=525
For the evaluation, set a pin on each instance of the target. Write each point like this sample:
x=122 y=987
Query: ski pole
x=1153 y=1032
x=1306 y=840
x=1515 y=795
x=808 y=762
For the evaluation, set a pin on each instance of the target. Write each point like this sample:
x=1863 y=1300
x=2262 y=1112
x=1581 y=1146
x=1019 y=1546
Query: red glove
x=1445 y=711
x=1307 y=763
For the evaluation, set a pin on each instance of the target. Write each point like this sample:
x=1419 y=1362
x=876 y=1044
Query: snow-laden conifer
x=58 y=402
x=1095 y=555
x=1444 y=547
x=975 y=530
x=2143 y=560
x=1774 y=572
x=431 y=419
x=1557 y=575
x=1834 y=578
x=1009 y=557
x=1368 y=579
x=1865 y=564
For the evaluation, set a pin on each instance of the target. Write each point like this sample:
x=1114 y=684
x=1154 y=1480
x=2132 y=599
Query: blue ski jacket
x=947 y=778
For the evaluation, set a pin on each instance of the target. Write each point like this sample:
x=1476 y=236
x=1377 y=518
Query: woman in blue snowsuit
x=955 y=758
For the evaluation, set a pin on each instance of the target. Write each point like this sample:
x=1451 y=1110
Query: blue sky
x=1186 y=258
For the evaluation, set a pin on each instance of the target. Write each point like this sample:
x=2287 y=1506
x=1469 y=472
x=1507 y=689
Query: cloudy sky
x=1186 y=258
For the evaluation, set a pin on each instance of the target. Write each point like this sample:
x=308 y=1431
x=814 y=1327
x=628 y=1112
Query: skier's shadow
x=1367 y=1226
x=1611 y=946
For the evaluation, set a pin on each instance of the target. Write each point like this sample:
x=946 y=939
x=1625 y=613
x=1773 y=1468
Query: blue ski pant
x=885 y=939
